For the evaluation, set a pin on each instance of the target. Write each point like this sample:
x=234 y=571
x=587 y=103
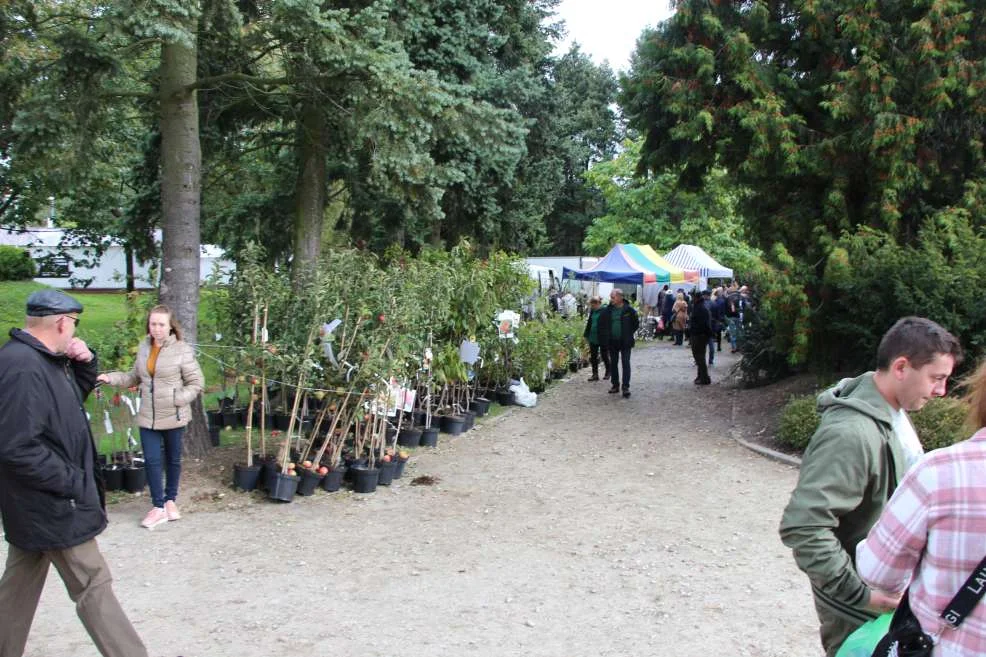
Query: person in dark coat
x=666 y=311
x=51 y=499
x=617 y=325
x=717 y=309
x=591 y=335
x=701 y=334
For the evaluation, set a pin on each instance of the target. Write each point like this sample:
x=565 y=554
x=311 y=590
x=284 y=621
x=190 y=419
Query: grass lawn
x=102 y=310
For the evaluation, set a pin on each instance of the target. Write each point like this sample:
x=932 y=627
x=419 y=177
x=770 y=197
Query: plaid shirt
x=934 y=529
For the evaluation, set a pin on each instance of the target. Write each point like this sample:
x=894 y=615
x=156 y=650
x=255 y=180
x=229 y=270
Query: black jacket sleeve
x=85 y=375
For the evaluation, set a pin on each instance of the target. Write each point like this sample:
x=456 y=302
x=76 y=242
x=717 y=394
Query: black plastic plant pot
x=418 y=417
x=332 y=481
x=365 y=479
x=231 y=418
x=134 y=479
x=281 y=421
x=409 y=437
x=214 y=436
x=386 y=475
x=573 y=366
x=429 y=437
x=352 y=464
x=505 y=397
x=246 y=477
x=101 y=459
x=215 y=418
x=399 y=464
x=283 y=487
x=113 y=478
x=453 y=425
x=470 y=417
x=271 y=470
x=310 y=480
x=480 y=405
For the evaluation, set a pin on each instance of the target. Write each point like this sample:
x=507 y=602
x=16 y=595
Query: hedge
x=939 y=424
x=15 y=264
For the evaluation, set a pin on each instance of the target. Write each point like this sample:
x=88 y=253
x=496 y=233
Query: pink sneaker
x=172 y=510
x=154 y=517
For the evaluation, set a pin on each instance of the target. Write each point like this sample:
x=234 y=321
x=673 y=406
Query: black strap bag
x=906 y=638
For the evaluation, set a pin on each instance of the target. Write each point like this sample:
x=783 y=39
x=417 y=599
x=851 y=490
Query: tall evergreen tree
x=834 y=114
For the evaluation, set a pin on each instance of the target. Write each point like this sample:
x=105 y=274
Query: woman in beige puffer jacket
x=170 y=379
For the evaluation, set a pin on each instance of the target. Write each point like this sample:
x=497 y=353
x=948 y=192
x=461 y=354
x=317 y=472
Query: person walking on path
x=170 y=379
x=591 y=335
x=931 y=534
x=51 y=499
x=701 y=335
x=717 y=308
x=861 y=449
x=679 y=318
x=617 y=325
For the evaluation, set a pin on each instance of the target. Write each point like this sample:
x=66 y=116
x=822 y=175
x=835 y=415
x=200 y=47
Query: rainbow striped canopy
x=635 y=264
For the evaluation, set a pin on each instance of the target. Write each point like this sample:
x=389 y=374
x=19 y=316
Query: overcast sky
x=608 y=29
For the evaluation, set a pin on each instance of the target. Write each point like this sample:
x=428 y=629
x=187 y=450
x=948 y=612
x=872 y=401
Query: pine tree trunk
x=311 y=194
x=181 y=168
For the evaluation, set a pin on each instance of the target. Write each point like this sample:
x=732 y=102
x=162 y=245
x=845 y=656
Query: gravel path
x=587 y=526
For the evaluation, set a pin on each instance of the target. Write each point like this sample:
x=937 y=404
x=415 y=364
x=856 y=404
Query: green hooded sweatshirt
x=853 y=463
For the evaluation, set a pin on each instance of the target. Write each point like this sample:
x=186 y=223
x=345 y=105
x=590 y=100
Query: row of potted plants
x=362 y=356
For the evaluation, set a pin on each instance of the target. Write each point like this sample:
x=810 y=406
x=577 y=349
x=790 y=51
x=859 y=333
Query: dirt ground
x=587 y=526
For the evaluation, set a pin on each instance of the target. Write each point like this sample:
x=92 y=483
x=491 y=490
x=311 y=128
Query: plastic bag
x=523 y=395
x=862 y=642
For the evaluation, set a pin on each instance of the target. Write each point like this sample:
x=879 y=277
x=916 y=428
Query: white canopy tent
x=689 y=256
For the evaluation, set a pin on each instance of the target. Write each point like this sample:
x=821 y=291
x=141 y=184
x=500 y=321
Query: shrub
x=798 y=422
x=941 y=423
x=15 y=264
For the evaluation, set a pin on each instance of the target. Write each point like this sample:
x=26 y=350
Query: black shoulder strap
x=967 y=598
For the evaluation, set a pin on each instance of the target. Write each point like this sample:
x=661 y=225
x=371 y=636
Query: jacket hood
x=860 y=394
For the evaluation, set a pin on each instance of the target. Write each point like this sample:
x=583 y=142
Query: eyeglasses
x=74 y=318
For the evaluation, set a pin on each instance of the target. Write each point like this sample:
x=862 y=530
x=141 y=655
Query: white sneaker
x=154 y=517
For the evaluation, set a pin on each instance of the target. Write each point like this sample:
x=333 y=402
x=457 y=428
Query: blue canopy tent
x=619 y=266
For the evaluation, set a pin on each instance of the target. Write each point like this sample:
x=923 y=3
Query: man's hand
x=883 y=602
x=77 y=350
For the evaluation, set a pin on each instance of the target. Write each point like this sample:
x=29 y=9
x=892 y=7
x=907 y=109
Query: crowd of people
x=698 y=319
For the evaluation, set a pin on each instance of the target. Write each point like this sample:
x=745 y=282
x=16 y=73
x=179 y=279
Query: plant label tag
x=468 y=352
x=107 y=424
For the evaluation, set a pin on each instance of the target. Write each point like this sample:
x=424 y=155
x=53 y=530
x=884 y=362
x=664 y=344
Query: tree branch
x=234 y=77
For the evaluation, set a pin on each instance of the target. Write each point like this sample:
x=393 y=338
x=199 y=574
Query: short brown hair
x=162 y=309
x=918 y=340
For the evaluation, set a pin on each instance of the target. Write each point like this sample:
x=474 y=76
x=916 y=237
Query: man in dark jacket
x=700 y=334
x=591 y=335
x=617 y=324
x=50 y=498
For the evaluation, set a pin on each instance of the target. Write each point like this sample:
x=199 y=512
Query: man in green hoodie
x=860 y=451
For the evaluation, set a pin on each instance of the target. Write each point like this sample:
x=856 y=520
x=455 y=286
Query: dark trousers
x=699 y=345
x=90 y=586
x=595 y=351
x=153 y=443
x=617 y=355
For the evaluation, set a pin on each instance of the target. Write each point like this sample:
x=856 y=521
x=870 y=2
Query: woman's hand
x=103 y=378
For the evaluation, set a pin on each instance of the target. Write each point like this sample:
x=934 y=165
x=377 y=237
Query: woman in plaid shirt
x=932 y=534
